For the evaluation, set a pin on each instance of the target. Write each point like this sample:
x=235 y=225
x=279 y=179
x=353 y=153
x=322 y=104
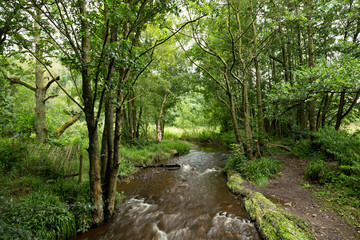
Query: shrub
x=315 y=170
x=12 y=155
x=42 y=214
x=258 y=170
x=337 y=145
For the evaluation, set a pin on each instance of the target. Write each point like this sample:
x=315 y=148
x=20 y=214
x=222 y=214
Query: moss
x=234 y=184
x=272 y=221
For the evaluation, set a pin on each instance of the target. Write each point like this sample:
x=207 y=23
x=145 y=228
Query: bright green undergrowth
x=334 y=162
x=149 y=152
x=199 y=134
x=258 y=170
x=35 y=201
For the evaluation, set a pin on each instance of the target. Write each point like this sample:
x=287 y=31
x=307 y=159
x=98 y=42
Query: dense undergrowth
x=36 y=202
x=334 y=163
x=258 y=170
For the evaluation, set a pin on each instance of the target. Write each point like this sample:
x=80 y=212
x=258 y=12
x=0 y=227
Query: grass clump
x=258 y=170
x=315 y=170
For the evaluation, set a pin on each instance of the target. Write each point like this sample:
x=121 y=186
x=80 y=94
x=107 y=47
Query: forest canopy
x=107 y=73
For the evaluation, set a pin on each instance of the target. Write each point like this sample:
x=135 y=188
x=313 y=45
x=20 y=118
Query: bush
x=315 y=170
x=258 y=170
x=16 y=159
x=42 y=214
x=337 y=145
x=12 y=155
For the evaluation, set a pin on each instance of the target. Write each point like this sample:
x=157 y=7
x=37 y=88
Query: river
x=190 y=203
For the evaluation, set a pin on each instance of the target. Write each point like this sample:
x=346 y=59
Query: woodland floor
x=286 y=189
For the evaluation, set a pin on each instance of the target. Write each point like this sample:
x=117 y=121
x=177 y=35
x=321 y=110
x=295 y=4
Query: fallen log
x=287 y=148
x=160 y=166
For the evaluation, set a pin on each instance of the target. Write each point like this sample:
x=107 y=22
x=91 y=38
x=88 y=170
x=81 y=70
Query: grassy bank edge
x=271 y=221
x=27 y=192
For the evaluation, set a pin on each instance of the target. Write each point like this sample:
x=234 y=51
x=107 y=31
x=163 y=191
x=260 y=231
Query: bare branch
x=51 y=96
x=18 y=81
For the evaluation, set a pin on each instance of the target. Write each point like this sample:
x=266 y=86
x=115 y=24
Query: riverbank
x=33 y=183
x=288 y=192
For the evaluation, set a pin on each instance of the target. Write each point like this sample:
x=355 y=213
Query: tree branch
x=51 y=96
x=51 y=82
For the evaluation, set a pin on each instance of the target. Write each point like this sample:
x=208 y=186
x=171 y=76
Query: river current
x=190 y=203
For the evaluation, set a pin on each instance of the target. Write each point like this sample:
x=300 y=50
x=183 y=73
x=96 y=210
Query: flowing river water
x=190 y=203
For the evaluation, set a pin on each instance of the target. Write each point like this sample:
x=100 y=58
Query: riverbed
x=192 y=202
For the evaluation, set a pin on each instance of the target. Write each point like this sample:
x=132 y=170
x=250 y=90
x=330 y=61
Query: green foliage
x=12 y=154
x=148 y=153
x=340 y=186
x=42 y=214
x=258 y=170
x=342 y=199
x=200 y=134
x=16 y=158
x=35 y=201
x=315 y=170
x=337 y=145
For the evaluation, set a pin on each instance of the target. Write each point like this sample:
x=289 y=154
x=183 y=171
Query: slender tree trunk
x=159 y=118
x=248 y=143
x=40 y=93
x=248 y=137
x=115 y=163
x=260 y=115
x=321 y=119
x=340 y=110
x=139 y=117
x=93 y=149
x=302 y=115
x=103 y=155
x=311 y=64
x=237 y=133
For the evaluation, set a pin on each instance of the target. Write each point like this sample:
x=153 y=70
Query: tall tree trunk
x=248 y=137
x=93 y=149
x=131 y=115
x=302 y=115
x=234 y=121
x=248 y=142
x=311 y=64
x=159 y=118
x=321 y=119
x=340 y=110
x=340 y=116
x=260 y=115
x=40 y=93
x=138 y=124
x=113 y=167
x=103 y=155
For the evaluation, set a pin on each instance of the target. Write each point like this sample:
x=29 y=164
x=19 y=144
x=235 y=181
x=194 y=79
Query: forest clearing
x=204 y=119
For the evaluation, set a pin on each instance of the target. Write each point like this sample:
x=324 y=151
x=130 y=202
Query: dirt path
x=286 y=189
